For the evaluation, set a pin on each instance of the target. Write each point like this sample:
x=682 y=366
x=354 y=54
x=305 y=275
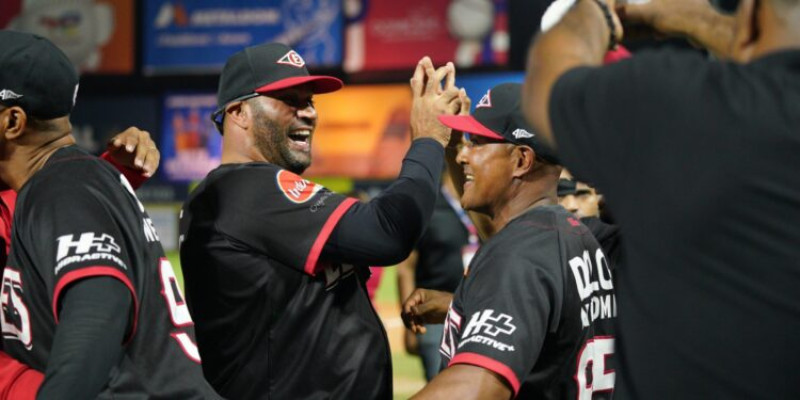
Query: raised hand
x=133 y=148
x=430 y=99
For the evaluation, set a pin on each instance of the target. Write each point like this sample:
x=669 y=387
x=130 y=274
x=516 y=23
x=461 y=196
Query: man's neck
x=526 y=197
x=25 y=161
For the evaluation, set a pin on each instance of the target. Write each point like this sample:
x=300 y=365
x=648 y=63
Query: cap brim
x=468 y=123
x=319 y=84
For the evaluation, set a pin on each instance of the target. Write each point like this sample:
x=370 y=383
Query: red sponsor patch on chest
x=295 y=188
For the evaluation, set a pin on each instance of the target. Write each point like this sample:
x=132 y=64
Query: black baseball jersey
x=698 y=162
x=273 y=321
x=78 y=218
x=537 y=308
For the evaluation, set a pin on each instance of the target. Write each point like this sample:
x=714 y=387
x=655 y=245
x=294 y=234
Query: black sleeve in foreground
x=609 y=120
x=384 y=230
x=88 y=341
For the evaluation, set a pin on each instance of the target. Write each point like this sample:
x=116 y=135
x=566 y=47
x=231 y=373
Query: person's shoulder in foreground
x=713 y=257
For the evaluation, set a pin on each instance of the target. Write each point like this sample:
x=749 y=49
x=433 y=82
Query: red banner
x=383 y=35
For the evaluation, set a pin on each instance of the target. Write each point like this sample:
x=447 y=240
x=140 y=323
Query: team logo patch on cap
x=486 y=100
x=295 y=188
x=293 y=59
x=6 y=94
x=522 y=134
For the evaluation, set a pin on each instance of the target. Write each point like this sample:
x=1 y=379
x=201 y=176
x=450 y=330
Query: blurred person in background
x=275 y=265
x=438 y=262
x=584 y=201
x=709 y=306
x=578 y=197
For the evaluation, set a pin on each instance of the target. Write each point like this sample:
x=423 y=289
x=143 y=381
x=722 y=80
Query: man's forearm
x=580 y=39
x=712 y=31
x=465 y=382
x=88 y=341
x=386 y=229
x=696 y=20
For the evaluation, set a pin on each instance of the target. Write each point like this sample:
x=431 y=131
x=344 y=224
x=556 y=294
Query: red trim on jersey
x=89 y=272
x=316 y=249
x=17 y=380
x=490 y=364
x=134 y=177
x=8 y=200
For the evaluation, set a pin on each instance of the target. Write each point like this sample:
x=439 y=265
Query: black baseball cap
x=498 y=115
x=36 y=76
x=266 y=68
x=566 y=187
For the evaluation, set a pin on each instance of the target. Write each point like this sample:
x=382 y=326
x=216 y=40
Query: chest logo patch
x=295 y=188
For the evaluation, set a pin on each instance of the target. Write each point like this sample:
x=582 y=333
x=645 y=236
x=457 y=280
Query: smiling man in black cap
x=533 y=316
x=275 y=265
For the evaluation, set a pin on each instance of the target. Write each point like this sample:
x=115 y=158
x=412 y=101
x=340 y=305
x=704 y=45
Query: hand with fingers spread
x=431 y=99
x=133 y=148
x=425 y=306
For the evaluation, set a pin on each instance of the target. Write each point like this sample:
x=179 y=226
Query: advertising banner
x=198 y=36
x=97 y=35
x=190 y=145
x=362 y=132
x=385 y=35
x=96 y=119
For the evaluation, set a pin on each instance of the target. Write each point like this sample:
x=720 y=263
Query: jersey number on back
x=178 y=311
x=592 y=375
x=14 y=316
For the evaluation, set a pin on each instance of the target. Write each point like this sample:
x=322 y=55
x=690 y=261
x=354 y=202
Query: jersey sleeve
x=135 y=177
x=279 y=214
x=508 y=308
x=17 y=380
x=604 y=119
x=81 y=235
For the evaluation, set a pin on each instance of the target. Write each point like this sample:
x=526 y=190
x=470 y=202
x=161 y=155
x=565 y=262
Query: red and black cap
x=36 y=76
x=266 y=68
x=498 y=115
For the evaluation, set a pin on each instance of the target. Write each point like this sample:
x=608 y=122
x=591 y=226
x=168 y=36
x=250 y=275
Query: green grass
x=407 y=369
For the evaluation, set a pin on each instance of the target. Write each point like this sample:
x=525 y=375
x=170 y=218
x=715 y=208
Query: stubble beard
x=272 y=141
